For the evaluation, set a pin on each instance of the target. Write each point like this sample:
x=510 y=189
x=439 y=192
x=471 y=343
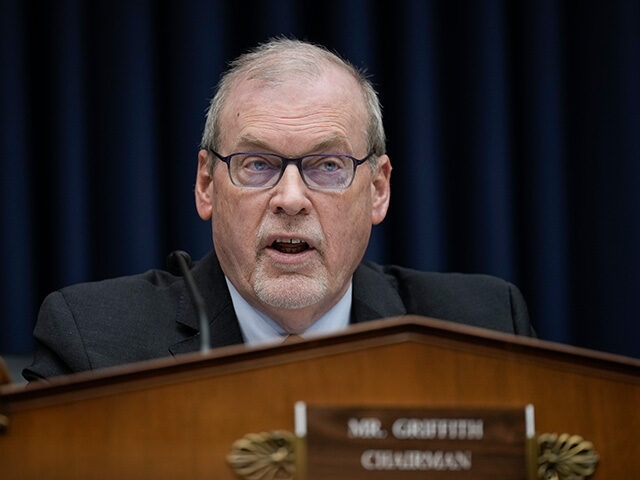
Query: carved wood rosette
x=565 y=457
x=264 y=456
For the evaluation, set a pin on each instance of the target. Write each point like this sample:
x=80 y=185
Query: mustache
x=308 y=229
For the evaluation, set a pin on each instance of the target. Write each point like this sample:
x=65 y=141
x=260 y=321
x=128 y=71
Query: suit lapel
x=375 y=295
x=225 y=329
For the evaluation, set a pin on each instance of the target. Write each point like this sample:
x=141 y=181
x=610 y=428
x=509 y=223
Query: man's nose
x=290 y=195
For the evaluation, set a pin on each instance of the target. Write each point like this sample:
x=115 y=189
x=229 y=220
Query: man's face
x=291 y=251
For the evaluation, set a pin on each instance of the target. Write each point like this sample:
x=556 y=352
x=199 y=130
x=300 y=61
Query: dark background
x=513 y=129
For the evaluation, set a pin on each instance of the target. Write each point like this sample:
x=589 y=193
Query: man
x=292 y=174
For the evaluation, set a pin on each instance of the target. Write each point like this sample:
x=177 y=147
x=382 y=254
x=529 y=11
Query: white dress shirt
x=256 y=327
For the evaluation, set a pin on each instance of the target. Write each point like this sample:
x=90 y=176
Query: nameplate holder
x=414 y=443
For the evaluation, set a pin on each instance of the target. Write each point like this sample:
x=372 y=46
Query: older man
x=292 y=174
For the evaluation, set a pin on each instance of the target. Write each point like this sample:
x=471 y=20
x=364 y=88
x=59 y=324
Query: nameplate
x=411 y=443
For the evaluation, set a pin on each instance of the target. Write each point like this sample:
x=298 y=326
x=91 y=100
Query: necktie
x=291 y=338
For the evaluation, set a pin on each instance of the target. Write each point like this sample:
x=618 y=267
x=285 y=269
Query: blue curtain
x=514 y=132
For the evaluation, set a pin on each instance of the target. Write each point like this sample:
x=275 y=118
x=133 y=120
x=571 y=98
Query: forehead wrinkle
x=295 y=104
x=275 y=134
x=332 y=141
x=297 y=113
x=295 y=142
x=276 y=120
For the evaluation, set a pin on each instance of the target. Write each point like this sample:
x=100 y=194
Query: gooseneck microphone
x=179 y=262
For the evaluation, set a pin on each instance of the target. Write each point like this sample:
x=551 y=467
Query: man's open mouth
x=290 y=245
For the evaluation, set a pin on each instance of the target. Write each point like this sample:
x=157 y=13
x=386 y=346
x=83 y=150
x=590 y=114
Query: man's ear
x=380 y=190
x=204 y=186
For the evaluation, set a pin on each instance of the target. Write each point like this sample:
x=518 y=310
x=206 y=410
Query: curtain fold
x=513 y=130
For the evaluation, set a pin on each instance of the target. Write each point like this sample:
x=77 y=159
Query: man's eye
x=325 y=164
x=258 y=164
x=329 y=166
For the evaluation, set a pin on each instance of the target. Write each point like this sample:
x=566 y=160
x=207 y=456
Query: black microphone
x=179 y=262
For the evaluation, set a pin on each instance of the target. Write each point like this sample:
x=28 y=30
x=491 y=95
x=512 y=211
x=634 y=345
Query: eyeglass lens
x=264 y=170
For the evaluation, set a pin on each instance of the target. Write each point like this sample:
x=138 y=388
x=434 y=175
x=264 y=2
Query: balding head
x=281 y=60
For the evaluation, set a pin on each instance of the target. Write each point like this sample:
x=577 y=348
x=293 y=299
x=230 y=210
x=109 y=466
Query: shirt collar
x=257 y=327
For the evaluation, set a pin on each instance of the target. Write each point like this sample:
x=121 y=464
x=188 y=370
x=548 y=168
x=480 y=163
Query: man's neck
x=257 y=325
x=294 y=320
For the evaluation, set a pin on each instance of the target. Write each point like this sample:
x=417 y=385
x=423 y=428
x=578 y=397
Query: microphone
x=179 y=262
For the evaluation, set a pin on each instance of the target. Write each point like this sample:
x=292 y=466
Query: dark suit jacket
x=129 y=319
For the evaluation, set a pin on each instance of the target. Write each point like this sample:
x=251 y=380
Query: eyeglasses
x=318 y=171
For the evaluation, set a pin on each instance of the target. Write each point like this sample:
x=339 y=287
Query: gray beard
x=291 y=291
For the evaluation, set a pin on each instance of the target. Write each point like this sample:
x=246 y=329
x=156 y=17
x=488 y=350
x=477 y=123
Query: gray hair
x=271 y=62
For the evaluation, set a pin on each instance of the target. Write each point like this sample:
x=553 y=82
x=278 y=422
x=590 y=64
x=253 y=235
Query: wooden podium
x=177 y=418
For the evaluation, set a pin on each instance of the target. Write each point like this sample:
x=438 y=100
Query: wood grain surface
x=177 y=418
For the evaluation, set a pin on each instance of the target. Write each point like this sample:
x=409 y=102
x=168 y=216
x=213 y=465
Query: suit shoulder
x=104 y=323
x=408 y=278
x=151 y=278
x=474 y=299
x=436 y=280
x=121 y=287
x=113 y=301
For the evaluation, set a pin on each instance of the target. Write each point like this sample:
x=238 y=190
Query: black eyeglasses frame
x=285 y=163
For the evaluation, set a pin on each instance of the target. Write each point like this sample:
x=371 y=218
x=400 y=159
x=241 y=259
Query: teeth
x=289 y=240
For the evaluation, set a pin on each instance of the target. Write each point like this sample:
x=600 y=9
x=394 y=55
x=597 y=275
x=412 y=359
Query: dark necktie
x=291 y=338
